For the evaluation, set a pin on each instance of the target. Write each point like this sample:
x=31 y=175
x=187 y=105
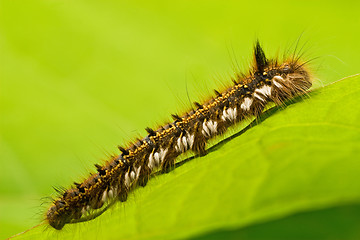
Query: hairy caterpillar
x=267 y=81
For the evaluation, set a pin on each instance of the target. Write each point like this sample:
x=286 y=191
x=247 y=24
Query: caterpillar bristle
x=58 y=190
x=76 y=184
x=150 y=131
x=123 y=150
x=217 y=93
x=260 y=59
x=98 y=167
x=234 y=81
x=176 y=117
x=198 y=105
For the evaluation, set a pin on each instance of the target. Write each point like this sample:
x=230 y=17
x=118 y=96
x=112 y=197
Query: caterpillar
x=268 y=80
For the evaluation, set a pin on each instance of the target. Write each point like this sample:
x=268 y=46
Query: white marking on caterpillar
x=234 y=113
x=223 y=117
x=104 y=196
x=191 y=139
x=179 y=145
x=110 y=193
x=209 y=128
x=278 y=78
x=132 y=175
x=205 y=130
x=184 y=142
x=151 y=163
x=246 y=104
x=127 y=180
x=278 y=85
x=276 y=81
x=212 y=126
x=138 y=172
x=259 y=97
x=231 y=114
x=157 y=159
x=264 y=90
x=163 y=154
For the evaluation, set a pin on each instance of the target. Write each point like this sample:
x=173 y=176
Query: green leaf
x=341 y=222
x=77 y=78
x=301 y=158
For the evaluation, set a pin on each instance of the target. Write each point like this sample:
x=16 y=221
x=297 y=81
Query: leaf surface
x=303 y=157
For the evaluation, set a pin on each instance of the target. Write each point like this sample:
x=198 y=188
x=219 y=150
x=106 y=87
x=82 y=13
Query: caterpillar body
x=267 y=81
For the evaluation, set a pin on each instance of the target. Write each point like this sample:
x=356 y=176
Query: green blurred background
x=80 y=77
